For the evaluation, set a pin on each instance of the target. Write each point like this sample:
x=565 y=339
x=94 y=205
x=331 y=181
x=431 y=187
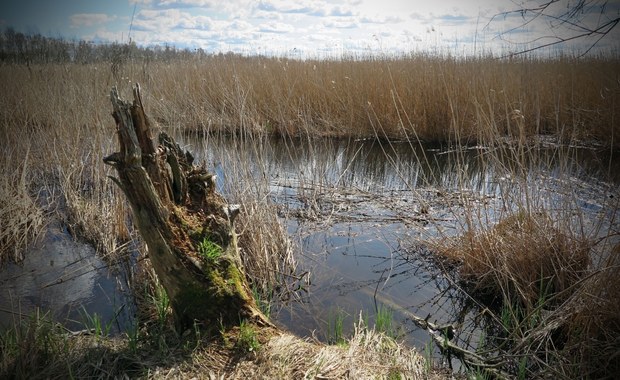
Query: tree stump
x=186 y=224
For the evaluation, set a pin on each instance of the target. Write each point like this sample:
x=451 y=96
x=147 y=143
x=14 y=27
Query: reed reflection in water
x=360 y=211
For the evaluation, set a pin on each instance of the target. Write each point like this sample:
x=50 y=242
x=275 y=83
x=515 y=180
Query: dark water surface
x=65 y=280
x=359 y=213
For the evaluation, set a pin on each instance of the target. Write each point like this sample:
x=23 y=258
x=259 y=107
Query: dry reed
x=440 y=96
x=367 y=355
x=592 y=323
x=63 y=108
x=524 y=257
x=57 y=123
x=21 y=218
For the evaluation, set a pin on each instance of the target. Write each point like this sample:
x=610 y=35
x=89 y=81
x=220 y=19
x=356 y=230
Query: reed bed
x=537 y=262
x=550 y=310
x=21 y=219
x=57 y=125
x=524 y=257
x=441 y=97
x=433 y=98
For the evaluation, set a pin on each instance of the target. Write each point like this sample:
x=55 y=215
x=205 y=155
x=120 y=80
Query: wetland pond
x=358 y=213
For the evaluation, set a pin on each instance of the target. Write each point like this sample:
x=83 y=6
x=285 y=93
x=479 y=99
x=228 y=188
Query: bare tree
x=564 y=21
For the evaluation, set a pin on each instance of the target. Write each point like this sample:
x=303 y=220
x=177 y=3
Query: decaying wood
x=176 y=207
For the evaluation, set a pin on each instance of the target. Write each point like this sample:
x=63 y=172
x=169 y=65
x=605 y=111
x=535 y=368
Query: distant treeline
x=17 y=47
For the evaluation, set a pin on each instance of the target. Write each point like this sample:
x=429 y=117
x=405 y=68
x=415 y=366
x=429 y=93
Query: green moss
x=221 y=295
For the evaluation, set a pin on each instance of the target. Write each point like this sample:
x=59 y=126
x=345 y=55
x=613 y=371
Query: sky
x=310 y=27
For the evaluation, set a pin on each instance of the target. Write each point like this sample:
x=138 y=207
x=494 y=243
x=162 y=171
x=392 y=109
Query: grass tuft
x=209 y=251
x=524 y=256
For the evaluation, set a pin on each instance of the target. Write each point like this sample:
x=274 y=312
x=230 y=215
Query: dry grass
x=524 y=256
x=43 y=350
x=21 y=219
x=441 y=97
x=592 y=323
x=61 y=112
x=367 y=355
x=545 y=275
x=546 y=300
x=536 y=261
x=57 y=125
x=60 y=122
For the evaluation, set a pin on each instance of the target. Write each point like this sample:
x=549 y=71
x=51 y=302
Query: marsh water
x=359 y=213
x=63 y=278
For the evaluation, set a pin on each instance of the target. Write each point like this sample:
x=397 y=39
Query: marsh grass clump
x=335 y=327
x=247 y=340
x=591 y=323
x=36 y=342
x=96 y=213
x=552 y=307
x=21 y=219
x=522 y=259
x=368 y=354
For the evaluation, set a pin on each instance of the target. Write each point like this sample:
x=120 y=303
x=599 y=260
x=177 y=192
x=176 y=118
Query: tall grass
x=56 y=126
x=441 y=97
x=21 y=219
x=54 y=120
x=537 y=260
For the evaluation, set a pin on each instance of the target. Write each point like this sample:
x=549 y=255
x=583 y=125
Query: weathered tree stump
x=186 y=224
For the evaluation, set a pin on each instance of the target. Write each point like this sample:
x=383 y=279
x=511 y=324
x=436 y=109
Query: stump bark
x=186 y=224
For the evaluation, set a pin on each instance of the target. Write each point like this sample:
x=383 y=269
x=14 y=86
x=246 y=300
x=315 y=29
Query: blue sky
x=306 y=27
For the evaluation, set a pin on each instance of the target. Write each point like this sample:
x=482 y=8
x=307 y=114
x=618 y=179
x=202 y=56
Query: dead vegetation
x=591 y=322
x=544 y=297
x=367 y=355
x=21 y=218
x=523 y=256
x=60 y=109
x=41 y=349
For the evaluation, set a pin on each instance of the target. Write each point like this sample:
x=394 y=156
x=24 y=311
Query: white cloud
x=381 y=20
x=167 y=19
x=185 y=3
x=348 y=23
x=341 y=11
x=316 y=8
x=90 y=19
x=276 y=27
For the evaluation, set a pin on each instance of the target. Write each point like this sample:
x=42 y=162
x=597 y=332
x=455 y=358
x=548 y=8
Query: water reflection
x=371 y=165
x=64 y=279
x=358 y=208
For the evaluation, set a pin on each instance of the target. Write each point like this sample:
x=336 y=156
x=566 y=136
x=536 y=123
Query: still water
x=64 y=279
x=359 y=212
